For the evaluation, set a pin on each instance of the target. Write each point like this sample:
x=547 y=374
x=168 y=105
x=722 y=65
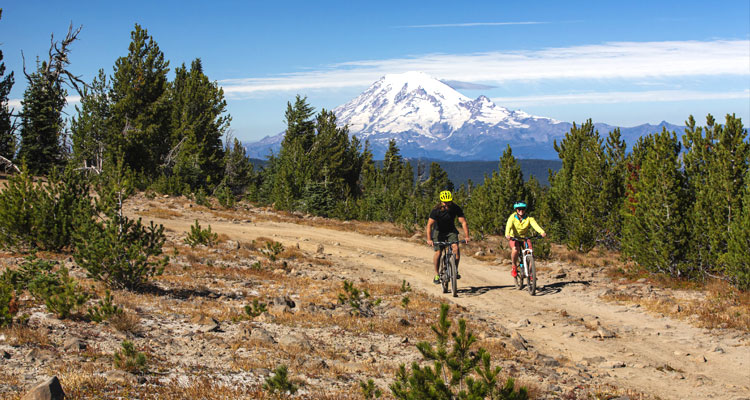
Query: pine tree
x=43 y=143
x=655 y=225
x=198 y=122
x=716 y=159
x=41 y=122
x=577 y=187
x=737 y=258
x=239 y=174
x=7 y=131
x=140 y=106
x=91 y=131
x=613 y=193
x=492 y=203
x=727 y=179
x=289 y=170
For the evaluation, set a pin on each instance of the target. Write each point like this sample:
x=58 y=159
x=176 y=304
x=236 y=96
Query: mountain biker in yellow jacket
x=518 y=226
x=441 y=228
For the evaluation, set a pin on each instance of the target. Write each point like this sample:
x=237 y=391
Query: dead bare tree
x=8 y=165
x=56 y=68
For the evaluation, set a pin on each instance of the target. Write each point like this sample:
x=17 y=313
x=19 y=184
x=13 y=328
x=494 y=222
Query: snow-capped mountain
x=429 y=119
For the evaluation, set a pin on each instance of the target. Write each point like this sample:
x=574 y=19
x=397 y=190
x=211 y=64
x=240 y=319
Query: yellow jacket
x=516 y=227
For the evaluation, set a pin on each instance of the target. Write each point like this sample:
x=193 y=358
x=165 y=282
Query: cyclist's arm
x=536 y=227
x=462 y=220
x=508 y=226
x=428 y=230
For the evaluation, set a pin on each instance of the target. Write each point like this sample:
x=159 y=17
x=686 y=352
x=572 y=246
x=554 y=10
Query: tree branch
x=8 y=164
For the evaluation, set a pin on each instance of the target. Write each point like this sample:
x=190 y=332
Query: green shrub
x=59 y=292
x=272 y=250
x=42 y=215
x=7 y=294
x=201 y=198
x=121 y=252
x=256 y=309
x=113 y=248
x=130 y=360
x=56 y=289
x=171 y=185
x=369 y=390
x=450 y=377
x=542 y=250
x=358 y=300
x=202 y=236
x=279 y=382
x=225 y=196
x=104 y=309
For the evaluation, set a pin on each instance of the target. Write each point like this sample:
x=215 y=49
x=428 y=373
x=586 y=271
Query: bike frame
x=446 y=250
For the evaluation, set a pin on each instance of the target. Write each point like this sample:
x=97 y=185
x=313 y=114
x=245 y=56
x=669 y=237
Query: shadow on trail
x=472 y=291
x=554 y=288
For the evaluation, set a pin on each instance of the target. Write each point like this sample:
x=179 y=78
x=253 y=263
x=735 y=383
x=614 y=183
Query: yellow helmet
x=446 y=195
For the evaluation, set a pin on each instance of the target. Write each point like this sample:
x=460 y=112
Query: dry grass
x=23 y=335
x=720 y=306
x=126 y=322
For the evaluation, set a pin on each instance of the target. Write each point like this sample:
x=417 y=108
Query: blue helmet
x=518 y=205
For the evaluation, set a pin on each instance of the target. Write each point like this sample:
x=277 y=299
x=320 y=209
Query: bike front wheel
x=519 y=277
x=454 y=273
x=532 y=274
x=444 y=273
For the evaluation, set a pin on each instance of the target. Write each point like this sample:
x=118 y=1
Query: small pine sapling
x=104 y=309
x=369 y=390
x=202 y=236
x=7 y=300
x=272 y=250
x=256 y=309
x=279 y=382
x=449 y=376
x=59 y=292
x=129 y=359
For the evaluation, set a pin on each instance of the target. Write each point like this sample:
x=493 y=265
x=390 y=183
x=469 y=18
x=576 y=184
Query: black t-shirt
x=445 y=217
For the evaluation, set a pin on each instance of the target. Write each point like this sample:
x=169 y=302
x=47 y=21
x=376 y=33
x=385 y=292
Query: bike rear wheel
x=453 y=273
x=532 y=274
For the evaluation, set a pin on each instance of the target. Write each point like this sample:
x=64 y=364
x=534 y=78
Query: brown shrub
x=127 y=321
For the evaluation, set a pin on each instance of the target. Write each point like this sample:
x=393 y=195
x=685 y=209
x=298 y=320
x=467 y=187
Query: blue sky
x=623 y=63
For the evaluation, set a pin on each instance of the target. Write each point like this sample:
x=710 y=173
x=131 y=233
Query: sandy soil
x=668 y=358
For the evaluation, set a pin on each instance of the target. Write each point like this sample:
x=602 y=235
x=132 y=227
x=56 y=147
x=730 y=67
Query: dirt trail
x=658 y=355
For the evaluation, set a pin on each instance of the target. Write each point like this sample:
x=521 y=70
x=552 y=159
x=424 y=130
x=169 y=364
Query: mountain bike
x=447 y=268
x=526 y=270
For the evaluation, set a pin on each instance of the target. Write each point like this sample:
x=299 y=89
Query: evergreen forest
x=674 y=203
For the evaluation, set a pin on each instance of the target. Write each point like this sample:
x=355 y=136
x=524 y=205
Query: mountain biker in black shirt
x=443 y=215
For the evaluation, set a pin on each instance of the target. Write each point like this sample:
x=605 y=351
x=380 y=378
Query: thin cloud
x=620 y=97
x=619 y=60
x=472 y=24
x=16 y=103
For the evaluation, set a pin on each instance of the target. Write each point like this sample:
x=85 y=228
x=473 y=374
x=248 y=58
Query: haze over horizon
x=621 y=64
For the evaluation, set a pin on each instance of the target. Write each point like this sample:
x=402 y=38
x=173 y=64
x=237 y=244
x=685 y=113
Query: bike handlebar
x=522 y=239
x=448 y=243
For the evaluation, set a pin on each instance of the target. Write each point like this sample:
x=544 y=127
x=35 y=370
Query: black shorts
x=443 y=237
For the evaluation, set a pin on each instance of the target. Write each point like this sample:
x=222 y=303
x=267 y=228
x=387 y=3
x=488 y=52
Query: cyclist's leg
x=436 y=260
x=457 y=254
x=453 y=237
x=513 y=254
x=436 y=256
